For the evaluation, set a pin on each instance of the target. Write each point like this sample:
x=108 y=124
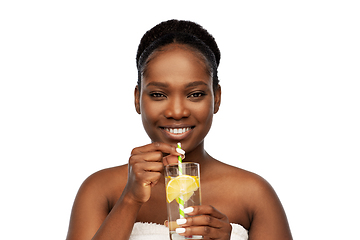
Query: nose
x=176 y=109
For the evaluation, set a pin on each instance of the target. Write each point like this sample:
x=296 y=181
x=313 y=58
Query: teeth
x=177 y=130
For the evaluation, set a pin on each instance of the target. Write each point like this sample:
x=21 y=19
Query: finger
x=204 y=210
x=149 y=167
x=146 y=157
x=206 y=231
x=146 y=173
x=157 y=146
x=171 y=159
x=151 y=178
x=152 y=156
x=202 y=220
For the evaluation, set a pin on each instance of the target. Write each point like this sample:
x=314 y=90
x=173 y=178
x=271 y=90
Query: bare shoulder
x=266 y=215
x=108 y=176
x=107 y=183
x=254 y=191
x=102 y=186
x=94 y=200
x=242 y=179
x=252 y=202
x=252 y=183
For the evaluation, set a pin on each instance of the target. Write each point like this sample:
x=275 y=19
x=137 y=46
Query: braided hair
x=181 y=32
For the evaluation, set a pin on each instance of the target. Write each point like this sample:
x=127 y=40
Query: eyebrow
x=196 y=83
x=158 y=84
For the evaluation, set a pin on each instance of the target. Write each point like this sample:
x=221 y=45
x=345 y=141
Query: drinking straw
x=179 y=160
x=181 y=198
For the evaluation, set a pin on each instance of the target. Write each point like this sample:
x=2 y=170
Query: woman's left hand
x=205 y=220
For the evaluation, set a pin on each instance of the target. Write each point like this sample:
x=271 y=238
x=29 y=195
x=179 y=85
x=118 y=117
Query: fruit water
x=181 y=185
x=173 y=208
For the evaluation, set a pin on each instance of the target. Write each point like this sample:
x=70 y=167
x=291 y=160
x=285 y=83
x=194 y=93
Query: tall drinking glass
x=182 y=182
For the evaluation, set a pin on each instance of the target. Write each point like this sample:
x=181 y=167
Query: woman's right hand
x=145 y=168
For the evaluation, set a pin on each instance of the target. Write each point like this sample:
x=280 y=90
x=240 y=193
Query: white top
x=153 y=231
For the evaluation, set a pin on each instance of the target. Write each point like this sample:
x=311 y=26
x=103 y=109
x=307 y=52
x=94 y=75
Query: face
x=177 y=100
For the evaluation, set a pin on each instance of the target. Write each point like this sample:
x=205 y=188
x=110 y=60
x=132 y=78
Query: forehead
x=176 y=63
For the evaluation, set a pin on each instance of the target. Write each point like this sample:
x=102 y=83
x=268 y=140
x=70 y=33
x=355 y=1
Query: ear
x=217 y=99
x=137 y=99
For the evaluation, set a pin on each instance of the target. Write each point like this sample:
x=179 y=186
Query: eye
x=157 y=95
x=197 y=95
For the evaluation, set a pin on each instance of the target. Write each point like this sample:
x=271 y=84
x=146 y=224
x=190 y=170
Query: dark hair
x=182 y=32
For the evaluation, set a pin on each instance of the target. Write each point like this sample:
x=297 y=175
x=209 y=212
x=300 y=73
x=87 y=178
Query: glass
x=182 y=183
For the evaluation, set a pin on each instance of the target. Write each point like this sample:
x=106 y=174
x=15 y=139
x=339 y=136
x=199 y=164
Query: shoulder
x=249 y=184
x=105 y=183
x=241 y=178
x=239 y=183
x=94 y=198
x=107 y=176
x=264 y=209
x=252 y=182
x=250 y=189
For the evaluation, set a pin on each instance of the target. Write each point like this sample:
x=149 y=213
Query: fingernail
x=179 y=150
x=180 y=230
x=188 y=210
x=181 y=221
x=182 y=157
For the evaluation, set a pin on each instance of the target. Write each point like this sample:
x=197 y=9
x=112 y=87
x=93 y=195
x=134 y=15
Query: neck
x=198 y=155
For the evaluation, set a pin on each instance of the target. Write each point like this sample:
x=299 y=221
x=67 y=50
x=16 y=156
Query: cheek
x=150 y=114
x=148 y=111
x=204 y=112
x=206 y=109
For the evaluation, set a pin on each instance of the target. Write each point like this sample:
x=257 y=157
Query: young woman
x=177 y=95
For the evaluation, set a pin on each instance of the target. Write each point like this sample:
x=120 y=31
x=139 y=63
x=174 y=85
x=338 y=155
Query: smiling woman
x=177 y=95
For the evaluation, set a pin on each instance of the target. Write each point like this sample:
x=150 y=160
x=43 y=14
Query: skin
x=176 y=91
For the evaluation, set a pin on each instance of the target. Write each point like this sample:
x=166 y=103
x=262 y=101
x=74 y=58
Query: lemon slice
x=184 y=185
x=186 y=197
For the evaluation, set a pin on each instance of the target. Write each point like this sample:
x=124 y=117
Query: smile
x=177 y=130
x=177 y=133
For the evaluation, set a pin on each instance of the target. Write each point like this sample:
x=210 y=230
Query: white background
x=290 y=109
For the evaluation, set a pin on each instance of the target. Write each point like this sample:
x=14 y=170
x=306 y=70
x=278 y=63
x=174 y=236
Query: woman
x=177 y=95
